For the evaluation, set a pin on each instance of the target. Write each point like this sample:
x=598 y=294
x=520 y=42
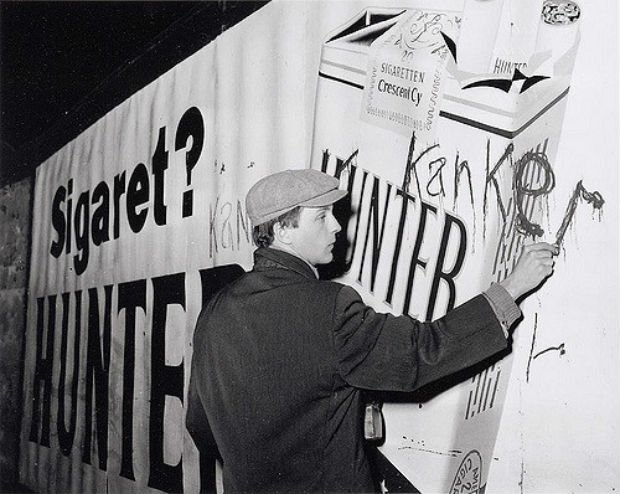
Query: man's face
x=315 y=235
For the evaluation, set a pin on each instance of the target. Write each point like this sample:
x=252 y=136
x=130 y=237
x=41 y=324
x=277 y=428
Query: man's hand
x=534 y=265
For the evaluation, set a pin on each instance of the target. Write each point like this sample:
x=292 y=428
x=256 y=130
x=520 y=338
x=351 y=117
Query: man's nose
x=335 y=226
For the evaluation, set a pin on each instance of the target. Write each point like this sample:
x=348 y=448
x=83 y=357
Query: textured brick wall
x=15 y=215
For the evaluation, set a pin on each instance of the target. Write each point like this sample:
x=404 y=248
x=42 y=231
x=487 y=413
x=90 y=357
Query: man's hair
x=263 y=234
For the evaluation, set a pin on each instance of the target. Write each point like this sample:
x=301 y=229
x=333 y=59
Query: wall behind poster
x=130 y=216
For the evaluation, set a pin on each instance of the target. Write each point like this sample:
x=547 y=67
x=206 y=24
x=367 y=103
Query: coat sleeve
x=389 y=353
x=196 y=421
x=197 y=424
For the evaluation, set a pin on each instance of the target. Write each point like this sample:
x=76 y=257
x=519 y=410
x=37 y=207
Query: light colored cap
x=280 y=192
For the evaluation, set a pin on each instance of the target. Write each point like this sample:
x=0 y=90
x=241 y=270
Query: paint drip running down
x=593 y=198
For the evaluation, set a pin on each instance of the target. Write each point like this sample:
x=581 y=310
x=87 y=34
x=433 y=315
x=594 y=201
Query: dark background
x=63 y=65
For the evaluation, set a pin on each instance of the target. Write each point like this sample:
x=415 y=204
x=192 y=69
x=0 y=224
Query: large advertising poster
x=129 y=221
x=448 y=179
x=450 y=169
x=450 y=161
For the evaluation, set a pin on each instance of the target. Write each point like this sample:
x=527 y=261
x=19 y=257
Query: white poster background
x=254 y=88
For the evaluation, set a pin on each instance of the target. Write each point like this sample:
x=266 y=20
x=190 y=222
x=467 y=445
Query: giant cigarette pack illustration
x=449 y=172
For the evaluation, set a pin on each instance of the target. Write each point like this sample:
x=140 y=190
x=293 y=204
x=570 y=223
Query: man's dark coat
x=279 y=364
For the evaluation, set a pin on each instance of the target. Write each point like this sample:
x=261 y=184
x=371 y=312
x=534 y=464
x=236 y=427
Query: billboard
x=450 y=173
x=134 y=219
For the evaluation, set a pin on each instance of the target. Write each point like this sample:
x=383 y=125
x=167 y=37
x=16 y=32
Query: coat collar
x=267 y=258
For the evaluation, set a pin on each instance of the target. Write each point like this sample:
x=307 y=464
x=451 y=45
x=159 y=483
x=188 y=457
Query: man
x=281 y=358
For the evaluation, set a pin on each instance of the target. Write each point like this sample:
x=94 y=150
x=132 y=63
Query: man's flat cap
x=280 y=192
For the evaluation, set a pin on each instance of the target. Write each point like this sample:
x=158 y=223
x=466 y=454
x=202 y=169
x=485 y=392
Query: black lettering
x=159 y=164
x=82 y=237
x=191 y=125
x=137 y=195
x=416 y=260
x=66 y=436
x=43 y=372
x=377 y=234
x=325 y=160
x=58 y=221
x=399 y=242
x=166 y=380
x=343 y=165
x=131 y=296
x=119 y=190
x=100 y=223
x=447 y=276
x=97 y=372
x=358 y=213
x=69 y=214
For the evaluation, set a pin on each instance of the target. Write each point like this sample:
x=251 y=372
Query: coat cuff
x=504 y=306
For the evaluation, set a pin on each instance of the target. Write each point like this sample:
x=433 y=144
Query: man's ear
x=282 y=233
